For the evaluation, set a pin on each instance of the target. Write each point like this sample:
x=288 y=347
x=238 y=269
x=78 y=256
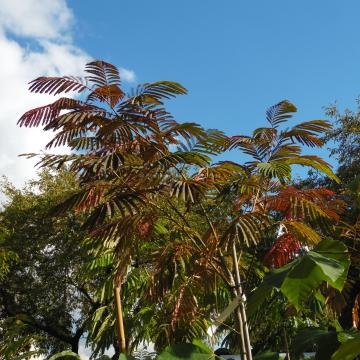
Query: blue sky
x=235 y=57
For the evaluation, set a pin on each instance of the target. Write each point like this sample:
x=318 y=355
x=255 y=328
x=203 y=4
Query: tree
x=346 y=138
x=190 y=238
x=117 y=139
x=45 y=299
x=188 y=223
x=272 y=153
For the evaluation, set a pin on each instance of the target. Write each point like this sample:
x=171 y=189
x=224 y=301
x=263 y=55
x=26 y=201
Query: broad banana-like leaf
x=329 y=262
x=202 y=346
x=65 y=355
x=349 y=348
x=187 y=352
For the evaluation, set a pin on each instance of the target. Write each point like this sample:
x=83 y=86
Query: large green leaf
x=186 y=351
x=337 y=251
x=65 y=355
x=329 y=262
x=204 y=347
x=350 y=347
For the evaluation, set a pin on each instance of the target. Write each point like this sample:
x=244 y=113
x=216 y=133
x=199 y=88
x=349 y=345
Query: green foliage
x=7 y=257
x=273 y=151
x=46 y=299
x=345 y=140
x=329 y=262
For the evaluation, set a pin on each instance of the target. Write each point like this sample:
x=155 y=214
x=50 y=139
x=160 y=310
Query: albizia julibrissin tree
x=120 y=148
x=150 y=189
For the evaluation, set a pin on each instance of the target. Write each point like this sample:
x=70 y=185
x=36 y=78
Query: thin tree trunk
x=242 y=305
x=240 y=315
x=119 y=320
x=237 y=312
x=286 y=345
x=243 y=352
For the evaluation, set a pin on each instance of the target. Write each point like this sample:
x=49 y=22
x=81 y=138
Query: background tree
x=45 y=299
x=344 y=140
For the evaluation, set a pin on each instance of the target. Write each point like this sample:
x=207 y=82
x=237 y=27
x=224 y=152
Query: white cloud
x=42 y=19
x=127 y=75
x=47 y=24
x=20 y=64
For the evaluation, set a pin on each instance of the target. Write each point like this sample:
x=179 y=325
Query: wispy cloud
x=127 y=75
x=35 y=40
x=39 y=19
